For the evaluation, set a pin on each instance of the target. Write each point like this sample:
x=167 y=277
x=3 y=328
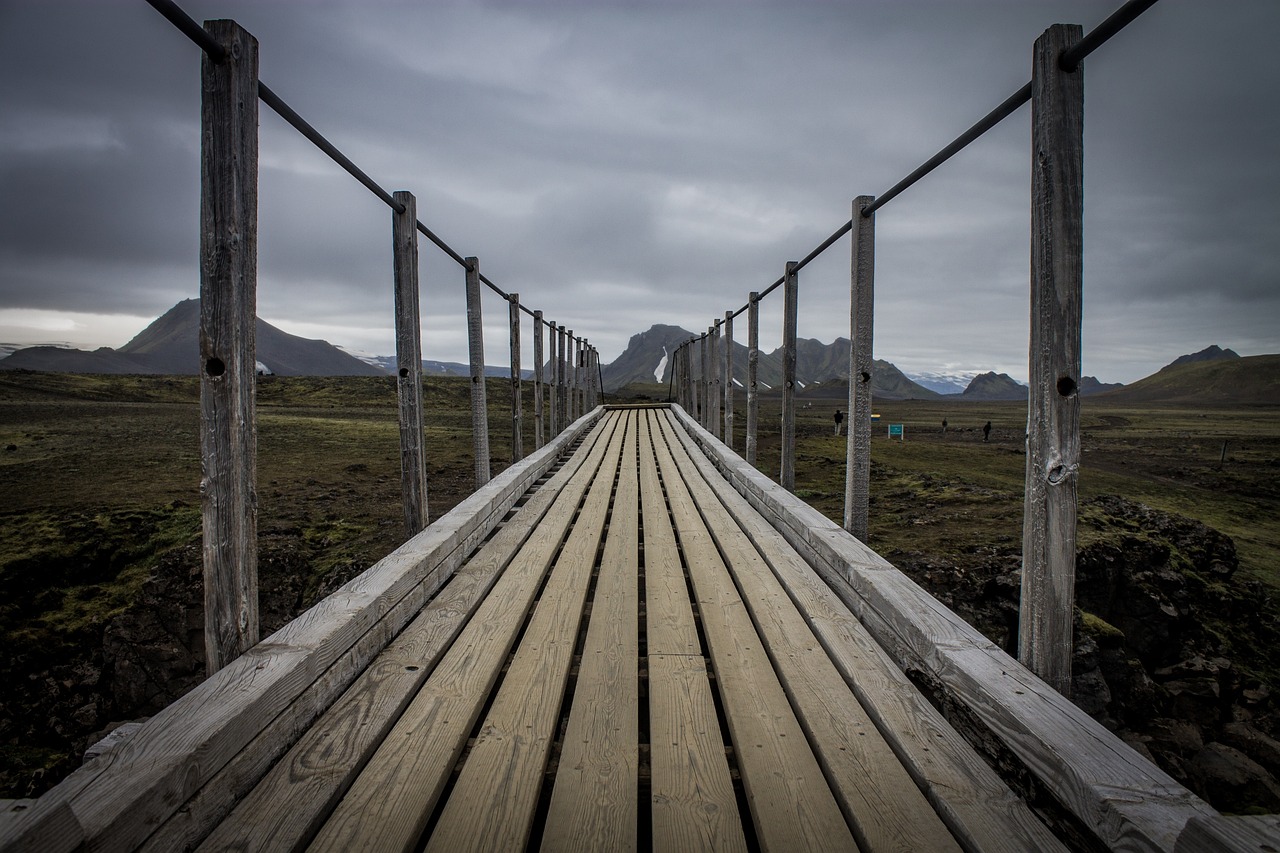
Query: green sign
x=896 y=431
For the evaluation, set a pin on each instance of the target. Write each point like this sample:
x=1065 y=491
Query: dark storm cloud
x=622 y=165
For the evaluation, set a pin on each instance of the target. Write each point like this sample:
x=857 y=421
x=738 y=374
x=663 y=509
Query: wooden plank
x=390 y=802
x=1234 y=834
x=792 y=807
x=692 y=801
x=977 y=806
x=413 y=472
x=879 y=799
x=228 y=323
x=475 y=354
x=1047 y=611
x=123 y=795
x=1087 y=769
x=492 y=803
x=287 y=806
x=857 y=476
x=593 y=801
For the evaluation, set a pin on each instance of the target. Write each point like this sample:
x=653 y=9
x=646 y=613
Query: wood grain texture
x=878 y=797
x=475 y=355
x=792 y=807
x=593 y=800
x=790 y=307
x=228 y=312
x=1129 y=802
x=692 y=801
x=978 y=807
x=1234 y=834
x=413 y=472
x=288 y=805
x=1047 y=609
x=390 y=802
x=504 y=768
x=857 y=483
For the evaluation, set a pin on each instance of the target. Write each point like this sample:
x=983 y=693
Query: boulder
x=1232 y=781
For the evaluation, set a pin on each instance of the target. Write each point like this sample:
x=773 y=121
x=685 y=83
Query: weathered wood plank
x=228 y=323
x=1129 y=802
x=977 y=806
x=792 y=807
x=593 y=801
x=288 y=805
x=879 y=799
x=389 y=803
x=1235 y=834
x=504 y=768
x=1047 y=609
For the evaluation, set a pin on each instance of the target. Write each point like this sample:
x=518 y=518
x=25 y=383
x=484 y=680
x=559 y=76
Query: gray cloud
x=621 y=165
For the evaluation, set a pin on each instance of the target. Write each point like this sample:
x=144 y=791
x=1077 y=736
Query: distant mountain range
x=170 y=345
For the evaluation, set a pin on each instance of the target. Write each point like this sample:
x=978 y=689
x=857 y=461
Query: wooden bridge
x=630 y=640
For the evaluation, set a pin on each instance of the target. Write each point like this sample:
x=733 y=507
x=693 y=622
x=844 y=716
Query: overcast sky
x=624 y=164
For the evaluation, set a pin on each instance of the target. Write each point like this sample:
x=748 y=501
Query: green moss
x=1099 y=627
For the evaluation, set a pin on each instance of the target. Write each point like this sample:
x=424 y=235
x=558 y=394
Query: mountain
x=994 y=386
x=171 y=345
x=1224 y=380
x=1209 y=353
x=647 y=359
x=1090 y=385
x=387 y=364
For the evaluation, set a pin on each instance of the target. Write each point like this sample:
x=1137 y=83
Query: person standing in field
x=986 y=431
x=839 y=420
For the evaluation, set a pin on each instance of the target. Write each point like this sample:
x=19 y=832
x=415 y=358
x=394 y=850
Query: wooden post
x=517 y=402
x=413 y=469
x=705 y=401
x=1053 y=413
x=857 y=469
x=571 y=387
x=479 y=400
x=790 y=293
x=561 y=379
x=753 y=373
x=538 y=428
x=228 y=321
x=716 y=388
x=728 y=379
x=553 y=404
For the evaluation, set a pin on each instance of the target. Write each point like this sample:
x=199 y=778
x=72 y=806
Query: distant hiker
x=986 y=431
x=944 y=426
x=839 y=420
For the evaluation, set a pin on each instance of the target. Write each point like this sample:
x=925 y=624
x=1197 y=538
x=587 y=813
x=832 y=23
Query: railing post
x=753 y=373
x=553 y=404
x=561 y=379
x=728 y=379
x=413 y=470
x=705 y=401
x=716 y=426
x=857 y=470
x=517 y=402
x=790 y=292
x=538 y=428
x=228 y=319
x=479 y=399
x=571 y=387
x=1053 y=414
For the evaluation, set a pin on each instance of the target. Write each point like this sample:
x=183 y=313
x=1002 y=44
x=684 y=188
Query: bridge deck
x=624 y=663
x=607 y=648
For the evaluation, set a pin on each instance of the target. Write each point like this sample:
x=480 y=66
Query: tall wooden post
x=571 y=389
x=753 y=373
x=728 y=379
x=538 y=427
x=705 y=402
x=1053 y=413
x=716 y=426
x=857 y=469
x=479 y=399
x=562 y=382
x=228 y=321
x=790 y=300
x=517 y=402
x=553 y=404
x=413 y=470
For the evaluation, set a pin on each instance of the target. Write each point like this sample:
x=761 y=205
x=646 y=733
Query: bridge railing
x=702 y=368
x=231 y=91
